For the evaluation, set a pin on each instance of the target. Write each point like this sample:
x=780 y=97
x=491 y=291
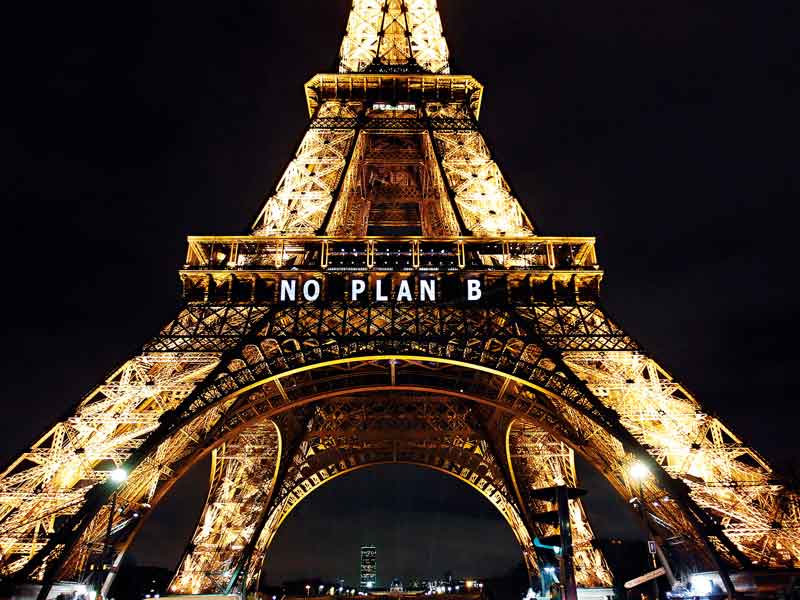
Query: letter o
x=311 y=283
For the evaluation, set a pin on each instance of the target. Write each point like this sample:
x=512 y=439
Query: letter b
x=474 y=291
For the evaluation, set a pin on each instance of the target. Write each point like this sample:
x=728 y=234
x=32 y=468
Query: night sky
x=666 y=129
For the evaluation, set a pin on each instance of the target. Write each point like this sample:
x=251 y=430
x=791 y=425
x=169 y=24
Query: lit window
x=403 y=106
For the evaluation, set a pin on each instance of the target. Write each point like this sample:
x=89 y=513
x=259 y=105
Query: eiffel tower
x=394 y=303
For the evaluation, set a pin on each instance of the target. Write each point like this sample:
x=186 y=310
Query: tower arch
x=368 y=427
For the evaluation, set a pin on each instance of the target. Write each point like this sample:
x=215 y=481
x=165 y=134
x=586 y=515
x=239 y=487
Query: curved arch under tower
x=369 y=427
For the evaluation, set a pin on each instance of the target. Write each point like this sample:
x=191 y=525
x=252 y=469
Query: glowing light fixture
x=639 y=471
x=701 y=585
x=119 y=475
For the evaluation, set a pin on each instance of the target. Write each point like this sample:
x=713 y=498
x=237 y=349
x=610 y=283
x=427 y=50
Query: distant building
x=397 y=586
x=369 y=571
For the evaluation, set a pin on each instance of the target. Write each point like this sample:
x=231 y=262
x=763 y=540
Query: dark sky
x=666 y=129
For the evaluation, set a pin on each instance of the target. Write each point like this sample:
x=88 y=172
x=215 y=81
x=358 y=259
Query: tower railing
x=390 y=254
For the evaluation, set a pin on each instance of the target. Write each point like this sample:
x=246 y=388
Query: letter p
x=357 y=287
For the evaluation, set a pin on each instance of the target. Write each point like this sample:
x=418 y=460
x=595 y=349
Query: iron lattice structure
x=395 y=187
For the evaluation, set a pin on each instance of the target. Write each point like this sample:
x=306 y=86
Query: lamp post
x=639 y=472
x=117 y=477
x=308 y=590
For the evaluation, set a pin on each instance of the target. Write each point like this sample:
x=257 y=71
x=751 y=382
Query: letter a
x=404 y=295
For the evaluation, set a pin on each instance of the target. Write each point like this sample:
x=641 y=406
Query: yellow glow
x=414 y=34
x=119 y=475
x=639 y=471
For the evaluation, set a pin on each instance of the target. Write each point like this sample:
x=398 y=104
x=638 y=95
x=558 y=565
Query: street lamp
x=119 y=475
x=308 y=590
x=639 y=471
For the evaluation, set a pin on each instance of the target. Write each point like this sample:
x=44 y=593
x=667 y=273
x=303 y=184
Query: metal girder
x=49 y=482
x=242 y=475
x=208 y=328
x=306 y=189
x=300 y=337
x=539 y=460
x=451 y=154
x=65 y=471
x=399 y=166
x=394 y=35
x=482 y=195
x=729 y=481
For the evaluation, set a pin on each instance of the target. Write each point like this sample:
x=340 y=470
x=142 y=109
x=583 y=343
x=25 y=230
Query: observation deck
x=371 y=87
x=529 y=269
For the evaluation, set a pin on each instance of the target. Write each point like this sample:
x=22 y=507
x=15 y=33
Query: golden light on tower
x=390 y=214
x=394 y=33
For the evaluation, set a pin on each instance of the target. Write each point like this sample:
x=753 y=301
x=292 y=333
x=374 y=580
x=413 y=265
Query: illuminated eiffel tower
x=393 y=304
